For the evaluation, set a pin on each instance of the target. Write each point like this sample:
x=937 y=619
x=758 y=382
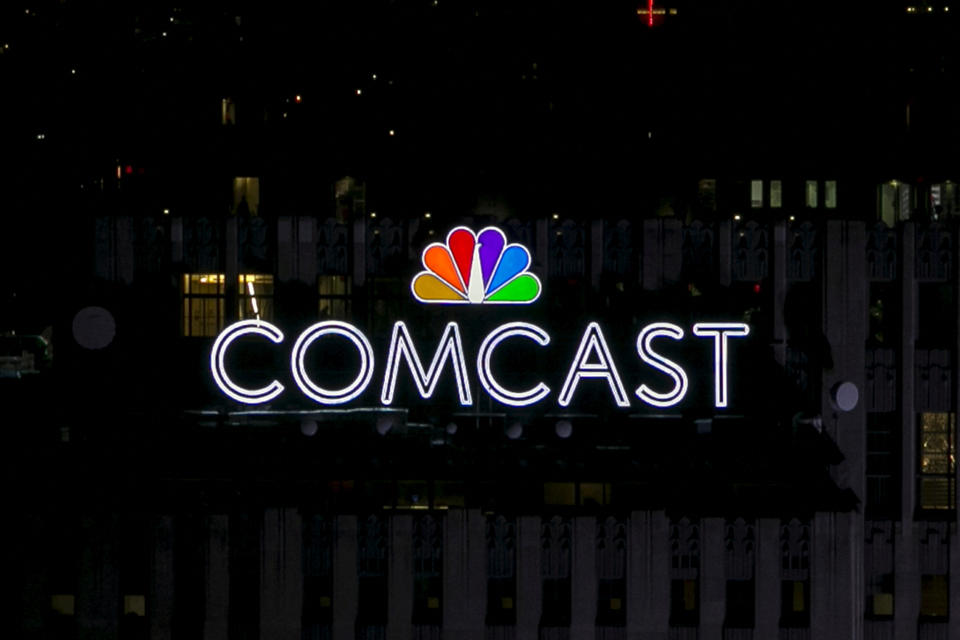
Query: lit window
x=933 y=597
x=255 y=297
x=811 y=193
x=559 y=493
x=63 y=604
x=228 y=112
x=756 y=193
x=880 y=602
x=938 y=460
x=134 y=605
x=595 y=493
x=830 y=194
x=203 y=304
x=246 y=196
x=334 y=297
x=776 y=194
x=204 y=301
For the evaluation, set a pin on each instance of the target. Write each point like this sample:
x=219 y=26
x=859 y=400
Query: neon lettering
x=655 y=360
x=593 y=342
x=495 y=389
x=310 y=388
x=401 y=345
x=719 y=331
x=220 y=377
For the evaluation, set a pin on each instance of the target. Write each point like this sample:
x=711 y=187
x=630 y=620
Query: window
x=684 y=603
x=811 y=194
x=795 y=603
x=934 y=602
x=880 y=598
x=830 y=194
x=883 y=312
x=611 y=603
x=938 y=433
x=501 y=539
x=566 y=493
x=228 y=111
x=256 y=297
x=883 y=464
x=246 y=196
x=204 y=301
x=707 y=194
x=776 y=194
x=740 y=604
x=756 y=193
x=888 y=203
x=935 y=329
x=559 y=493
x=203 y=304
x=334 y=297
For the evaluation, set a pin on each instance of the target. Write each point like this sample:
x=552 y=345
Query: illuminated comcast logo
x=476 y=269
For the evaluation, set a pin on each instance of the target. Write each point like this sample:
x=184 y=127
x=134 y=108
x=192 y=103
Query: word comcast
x=592 y=360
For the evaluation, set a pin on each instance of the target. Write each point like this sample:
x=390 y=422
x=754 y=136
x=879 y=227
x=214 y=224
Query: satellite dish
x=844 y=396
x=94 y=328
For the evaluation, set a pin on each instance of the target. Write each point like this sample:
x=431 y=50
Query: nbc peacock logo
x=476 y=268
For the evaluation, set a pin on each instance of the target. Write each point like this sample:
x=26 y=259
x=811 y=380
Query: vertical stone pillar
x=359 y=252
x=652 y=250
x=671 y=260
x=307 y=250
x=32 y=554
x=217 y=569
x=231 y=267
x=596 y=253
x=285 y=249
x=160 y=595
x=906 y=581
x=542 y=257
x=779 y=291
x=529 y=583
x=98 y=589
x=846 y=290
x=724 y=245
x=176 y=240
x=908 y=338
x=824 y=609
x=460 y=570
x=584 y=579
x=476 y=572
x=400 y=604
x=345 y=584
x=713 y=584
x=648 y=586
x=281 y=574
x=768 y=578
x=124 y=247
x=906 y=600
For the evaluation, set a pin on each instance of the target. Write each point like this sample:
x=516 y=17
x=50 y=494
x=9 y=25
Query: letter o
x=313 y=390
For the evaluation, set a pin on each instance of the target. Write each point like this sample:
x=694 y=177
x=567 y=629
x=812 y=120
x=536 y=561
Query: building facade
x=152 y=505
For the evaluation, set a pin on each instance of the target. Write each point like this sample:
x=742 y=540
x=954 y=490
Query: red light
x=649 y=13
x=128 y=170
x=756 y=288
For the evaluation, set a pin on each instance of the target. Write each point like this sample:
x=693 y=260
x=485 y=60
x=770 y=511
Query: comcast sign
x=479 y=269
